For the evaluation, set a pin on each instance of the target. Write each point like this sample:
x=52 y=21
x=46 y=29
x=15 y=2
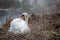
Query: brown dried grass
x=39 y=25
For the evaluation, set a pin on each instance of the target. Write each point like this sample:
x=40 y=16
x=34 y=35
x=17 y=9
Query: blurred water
x=36 y=6
x=12 y=13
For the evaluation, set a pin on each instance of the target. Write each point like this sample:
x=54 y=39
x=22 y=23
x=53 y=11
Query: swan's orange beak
x=22 y=17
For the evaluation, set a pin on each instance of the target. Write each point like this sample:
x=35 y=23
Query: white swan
x=20 y=25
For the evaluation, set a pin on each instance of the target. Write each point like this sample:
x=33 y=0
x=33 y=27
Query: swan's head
x=24 y=16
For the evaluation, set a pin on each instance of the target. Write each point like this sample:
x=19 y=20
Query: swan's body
x=18 y=25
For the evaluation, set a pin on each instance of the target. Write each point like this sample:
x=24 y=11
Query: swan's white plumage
x=18 y=25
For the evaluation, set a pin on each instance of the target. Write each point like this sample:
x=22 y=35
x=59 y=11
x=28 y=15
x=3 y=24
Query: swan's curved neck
x=26 y=19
